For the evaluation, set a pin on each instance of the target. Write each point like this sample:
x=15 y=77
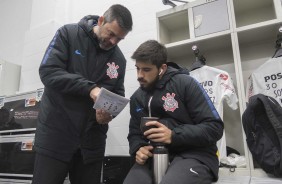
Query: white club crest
x=170 y=104
x=112 y=70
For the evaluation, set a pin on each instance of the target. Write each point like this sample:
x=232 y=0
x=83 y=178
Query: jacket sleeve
x=53 y=69
x=205 y=127
x=135 y=137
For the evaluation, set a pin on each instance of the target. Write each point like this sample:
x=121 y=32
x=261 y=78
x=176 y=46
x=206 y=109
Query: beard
x=150 y=86
x=105 y=45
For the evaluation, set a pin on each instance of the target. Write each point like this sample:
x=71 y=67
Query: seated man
x=188 y=125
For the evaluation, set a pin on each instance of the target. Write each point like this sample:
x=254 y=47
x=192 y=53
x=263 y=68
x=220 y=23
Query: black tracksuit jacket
x=182 y=105
x=73 y=65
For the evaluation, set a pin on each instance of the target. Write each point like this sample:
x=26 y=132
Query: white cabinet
x=211 y=17
x=9 y=78
x=253 y=11
x=234 y=35
x=174 y=26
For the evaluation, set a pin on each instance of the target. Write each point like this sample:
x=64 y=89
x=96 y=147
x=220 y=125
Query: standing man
x=71 y=135
x=189 y=125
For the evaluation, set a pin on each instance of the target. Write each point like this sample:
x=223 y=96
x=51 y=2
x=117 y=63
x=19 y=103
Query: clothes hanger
x=278 y=46
x=199 y=59
x=169 y=2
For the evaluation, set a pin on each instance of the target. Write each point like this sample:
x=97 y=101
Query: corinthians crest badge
x=170 y=104
x=112 y=70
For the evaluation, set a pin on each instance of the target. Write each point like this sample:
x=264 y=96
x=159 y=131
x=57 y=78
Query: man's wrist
x=94 y=93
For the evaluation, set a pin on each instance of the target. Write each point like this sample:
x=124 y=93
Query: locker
x=19 y=112
x=14 y=181
x=17 y=155
x=211 y=17
x=21 y=181
x=115 y=168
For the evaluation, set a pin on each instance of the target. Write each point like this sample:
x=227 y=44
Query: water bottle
x=160 y=158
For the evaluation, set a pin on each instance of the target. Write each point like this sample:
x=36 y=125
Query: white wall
x=41 y=18
x=15 y=18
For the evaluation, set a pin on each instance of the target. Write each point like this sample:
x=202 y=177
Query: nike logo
x=77 y=52
x=139 y=109
x=193 y=171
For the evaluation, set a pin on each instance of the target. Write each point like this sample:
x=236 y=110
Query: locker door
x=211 y=18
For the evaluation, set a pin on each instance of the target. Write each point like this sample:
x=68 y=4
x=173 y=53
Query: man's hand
x=103 y=117
x=143 y=154
x=94 y=93
x=160 y=134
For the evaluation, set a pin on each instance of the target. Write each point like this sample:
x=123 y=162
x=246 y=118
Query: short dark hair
x=121 y=14
x=151 y=51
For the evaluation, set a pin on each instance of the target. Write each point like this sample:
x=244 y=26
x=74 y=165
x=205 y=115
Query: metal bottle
x=160 y=158
x=160 y=152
